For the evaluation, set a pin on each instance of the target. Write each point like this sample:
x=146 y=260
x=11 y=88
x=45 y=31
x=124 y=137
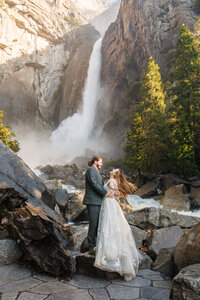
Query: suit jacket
x=95 y=191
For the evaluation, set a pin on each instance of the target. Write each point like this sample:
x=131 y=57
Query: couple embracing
x=114 y=248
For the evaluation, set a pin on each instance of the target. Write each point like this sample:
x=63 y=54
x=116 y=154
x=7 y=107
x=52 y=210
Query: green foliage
x=185 y=109
x=6 y=135
x=146 y=147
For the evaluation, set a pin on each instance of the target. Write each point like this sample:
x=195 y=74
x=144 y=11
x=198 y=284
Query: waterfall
x=73 y=133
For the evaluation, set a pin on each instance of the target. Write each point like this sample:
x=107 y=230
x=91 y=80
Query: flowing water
x=74 y=133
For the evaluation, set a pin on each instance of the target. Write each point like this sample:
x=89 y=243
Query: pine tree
x=6 y=135
x=147 y=139
x=186 y=105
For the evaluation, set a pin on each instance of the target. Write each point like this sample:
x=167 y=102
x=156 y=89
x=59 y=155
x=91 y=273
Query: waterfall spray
x=73 y=133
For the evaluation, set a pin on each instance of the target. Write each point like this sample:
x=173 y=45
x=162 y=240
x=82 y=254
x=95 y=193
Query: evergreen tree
x=147 y=139
x=186 y=105
x=6 y=135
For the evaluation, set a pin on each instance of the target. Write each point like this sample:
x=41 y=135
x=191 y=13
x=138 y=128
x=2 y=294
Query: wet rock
x=187 y=251
x=164 y=263
x=164 y=238
x=85 y=265
x=186 y=285
x=195 y=192
x=177 y=198
x=9 y=252
x=154 y=218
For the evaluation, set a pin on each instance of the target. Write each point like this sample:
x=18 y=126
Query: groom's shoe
x=92 y=251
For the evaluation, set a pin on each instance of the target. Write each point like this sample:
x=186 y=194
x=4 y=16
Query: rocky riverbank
x=169 y=241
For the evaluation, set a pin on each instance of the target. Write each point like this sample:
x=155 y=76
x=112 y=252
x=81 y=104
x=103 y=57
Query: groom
x=94 y=195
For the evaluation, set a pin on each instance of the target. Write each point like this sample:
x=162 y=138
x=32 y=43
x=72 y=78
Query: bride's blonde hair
x=125 y=187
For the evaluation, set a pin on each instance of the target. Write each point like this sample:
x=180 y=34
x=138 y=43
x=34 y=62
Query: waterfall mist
x=75 y=133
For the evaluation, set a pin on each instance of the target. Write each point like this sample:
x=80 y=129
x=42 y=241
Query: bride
x=116 y=250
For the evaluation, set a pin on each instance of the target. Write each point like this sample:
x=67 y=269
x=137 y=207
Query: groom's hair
x=95 y=158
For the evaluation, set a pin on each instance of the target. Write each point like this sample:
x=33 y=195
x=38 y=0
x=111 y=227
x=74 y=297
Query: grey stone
x=146 y=261
x=31 y=296
x=20 y=285
x=186 y=285
x=13 y=273
x=147 y=190
x=78 y=238
x=137 y=282
x=139 y=235
x=123 y=292
x=82 y=281
x=147 y=272
x=44 y=277
x=155 y=293
x=51 y=287
x=85 y=265
x=164 y=263
x=155 y=218
x=164 y=238
x=176 y=197
x=71 y=295
x=99 y=294
x=9 y=252
x=62 y=198
x=164 y=284
x=187 y=251
x=9 y=296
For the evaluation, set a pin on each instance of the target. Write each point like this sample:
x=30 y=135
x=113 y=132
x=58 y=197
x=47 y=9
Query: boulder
x=62 y=198
x=139 y=235
x=164 y=238
x=41 y=237
x=14 y=173
x=164 y=263
x=9 y=252
x=170 y=180
x=85 y=265
x=186 y=285
x=195 y=192
x=78 y=237
x=154 y=218
x=147 y=190
x=187 y=251
x=177 y=198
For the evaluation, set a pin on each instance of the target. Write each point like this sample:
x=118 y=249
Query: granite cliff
x=142 y=29
x=38 y=42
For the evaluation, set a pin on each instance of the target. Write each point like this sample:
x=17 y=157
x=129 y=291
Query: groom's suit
x=93 y=198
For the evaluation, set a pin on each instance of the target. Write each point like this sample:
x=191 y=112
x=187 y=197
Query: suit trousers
x=93 y=212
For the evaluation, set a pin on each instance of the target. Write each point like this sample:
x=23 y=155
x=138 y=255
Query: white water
x=72 y=136
x=138 y=203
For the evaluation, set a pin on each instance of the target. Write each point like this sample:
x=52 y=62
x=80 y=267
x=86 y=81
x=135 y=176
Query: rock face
x=186 y=285
x=142 y=29
x=14 y=173
x=187 y=251
x=34 y=41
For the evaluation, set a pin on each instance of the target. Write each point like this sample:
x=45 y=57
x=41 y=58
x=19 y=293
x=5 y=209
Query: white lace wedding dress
x=115 y=250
